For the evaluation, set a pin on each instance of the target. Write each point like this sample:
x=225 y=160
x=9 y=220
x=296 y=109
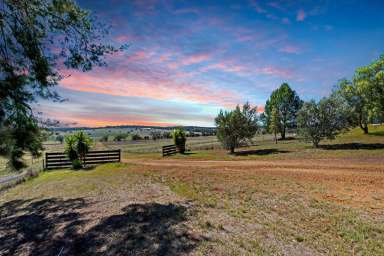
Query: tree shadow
x=353 y=146
x=143 y=229
x=260 y=152
x=377 y=133
x=34 y=226
x=286 y=139
x=189 y=153
x=51 y=226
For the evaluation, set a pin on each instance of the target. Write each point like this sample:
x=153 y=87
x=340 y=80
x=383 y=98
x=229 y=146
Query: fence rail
x=169 y=150
x=56 y=160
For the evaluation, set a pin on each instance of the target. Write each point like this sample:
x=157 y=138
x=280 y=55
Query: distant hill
x=133 y=127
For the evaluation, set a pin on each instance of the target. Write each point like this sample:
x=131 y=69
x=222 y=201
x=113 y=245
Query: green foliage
x=104 y=138
x=136 y=137
x=77 y=146
x=179 y=138
x=274 y=125
x=371 y=79
x=324 y=119
x=20 y=133
x=287 y=103
x=236 y=127
x=156 y=135
x=70 y=147
x=364 y=94
x=120 y=137
x=60 y=138
x=76 y=164
x=31 y=33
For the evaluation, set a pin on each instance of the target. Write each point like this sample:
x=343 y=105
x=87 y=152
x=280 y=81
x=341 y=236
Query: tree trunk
x=275 y=137
x=363 y=126
x=232 y=150
x=283 y=132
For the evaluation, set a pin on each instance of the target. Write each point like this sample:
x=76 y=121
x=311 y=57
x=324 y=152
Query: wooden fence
x=60 y=160
x=169 y=150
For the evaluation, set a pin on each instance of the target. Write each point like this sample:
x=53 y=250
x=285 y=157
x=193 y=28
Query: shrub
x=76 y=164
x=324 y=119
x=70 y=147
x=120 y=137
x=104 y=138
x=179 y=138
x=77 y=146
x=60 y=138
x=136 y=137
x=236 y=127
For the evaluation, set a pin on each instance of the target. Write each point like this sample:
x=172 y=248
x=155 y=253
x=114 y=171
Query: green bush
x=120 y=137
x=70 y=147
x=136 y=137
x=77 y=146
x=179 y=138
x=76 y=164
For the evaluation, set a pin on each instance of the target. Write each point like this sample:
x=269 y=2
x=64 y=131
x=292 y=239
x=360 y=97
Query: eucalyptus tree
x=38 y=39
x=364 y=94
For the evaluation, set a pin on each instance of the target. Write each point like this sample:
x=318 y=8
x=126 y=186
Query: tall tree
x=236 y=127
x=371 y=79
x=275 y=123
x=365 y=93
x=358 y=100
x=38 y=39
x=287 y=103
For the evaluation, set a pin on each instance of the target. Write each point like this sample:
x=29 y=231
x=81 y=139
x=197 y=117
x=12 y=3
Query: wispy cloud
x=290 y=49
x=301 y=15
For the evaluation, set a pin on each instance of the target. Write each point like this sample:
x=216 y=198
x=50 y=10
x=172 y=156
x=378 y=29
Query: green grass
x=265 y=148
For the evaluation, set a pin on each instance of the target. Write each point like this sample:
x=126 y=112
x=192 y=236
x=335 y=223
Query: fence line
x=55 y=160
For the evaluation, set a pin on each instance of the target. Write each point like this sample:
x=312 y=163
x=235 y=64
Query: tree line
x=358 y=101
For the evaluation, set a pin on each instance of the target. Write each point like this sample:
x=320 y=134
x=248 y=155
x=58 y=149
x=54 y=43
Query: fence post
x=45 y=162
x=119 y=155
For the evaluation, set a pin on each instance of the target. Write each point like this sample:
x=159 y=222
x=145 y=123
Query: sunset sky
x=188 y=59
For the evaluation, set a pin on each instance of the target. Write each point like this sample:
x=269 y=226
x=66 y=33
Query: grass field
x=284 y=199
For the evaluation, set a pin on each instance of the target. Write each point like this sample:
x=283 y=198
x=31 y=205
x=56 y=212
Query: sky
x=186 y=60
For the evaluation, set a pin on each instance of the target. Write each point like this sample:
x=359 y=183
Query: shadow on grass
x=378 y=133
x=286 y=139
x=51 y=226
x=353 y=146
x=188 y=153
x=260 y=152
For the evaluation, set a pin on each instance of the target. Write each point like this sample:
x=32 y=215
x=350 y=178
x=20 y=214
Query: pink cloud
x=94 y=120
x=189 y=60
x=290 y=49
x=269 y=70
x=226 y=67
x=247 y=70
x=301 y=15
x=160 y=87
x=122 y=38
x=257 y=7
